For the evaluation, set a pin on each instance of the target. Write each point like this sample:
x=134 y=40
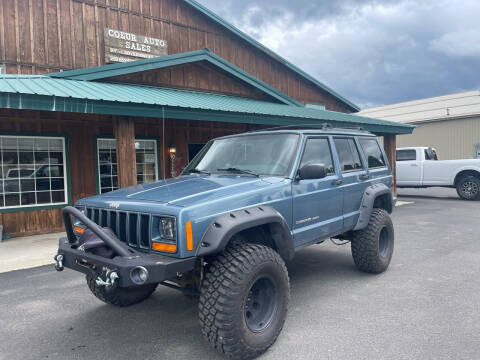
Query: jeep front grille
x=132 y=228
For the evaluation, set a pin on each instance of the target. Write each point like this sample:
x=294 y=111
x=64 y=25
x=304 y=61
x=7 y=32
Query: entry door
x=317 y=203
x=354 y=176
x=409 y=171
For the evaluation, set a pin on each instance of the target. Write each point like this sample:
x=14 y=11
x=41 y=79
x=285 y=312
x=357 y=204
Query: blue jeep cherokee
x=226 y=227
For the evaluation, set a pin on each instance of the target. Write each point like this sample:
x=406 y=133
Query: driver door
x=317 y=203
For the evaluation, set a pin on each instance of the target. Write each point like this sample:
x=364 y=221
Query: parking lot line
x=402 y=203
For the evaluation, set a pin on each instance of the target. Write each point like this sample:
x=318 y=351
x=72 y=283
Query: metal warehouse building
x=101 y=94
x=449 y=123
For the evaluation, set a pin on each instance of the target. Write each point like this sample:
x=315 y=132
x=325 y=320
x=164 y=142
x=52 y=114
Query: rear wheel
x=244 y=300
x=468 y=188
x=120 y=296
x=372 y=247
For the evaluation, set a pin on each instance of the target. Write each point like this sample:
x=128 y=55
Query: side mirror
x=312 y=171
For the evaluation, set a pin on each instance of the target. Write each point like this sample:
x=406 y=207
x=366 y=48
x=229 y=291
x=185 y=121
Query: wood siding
x=195 y=76
x=81 y=132
x=39 y=36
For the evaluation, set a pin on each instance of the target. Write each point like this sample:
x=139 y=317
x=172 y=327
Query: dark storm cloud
x=372 y=52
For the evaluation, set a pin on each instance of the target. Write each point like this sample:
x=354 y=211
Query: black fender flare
x=224 y=227
x=366 y=207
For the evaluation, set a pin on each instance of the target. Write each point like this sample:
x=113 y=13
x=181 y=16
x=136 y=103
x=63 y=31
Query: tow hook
x=111 y=278
x=58 y=262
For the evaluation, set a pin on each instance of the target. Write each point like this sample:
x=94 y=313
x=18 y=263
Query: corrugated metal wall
x=453 y=139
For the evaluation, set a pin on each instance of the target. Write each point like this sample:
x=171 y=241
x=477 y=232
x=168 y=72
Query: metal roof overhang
x=86 y=97
x=85 y=106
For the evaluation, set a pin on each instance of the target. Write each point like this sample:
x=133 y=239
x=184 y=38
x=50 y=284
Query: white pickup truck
x=419 y=167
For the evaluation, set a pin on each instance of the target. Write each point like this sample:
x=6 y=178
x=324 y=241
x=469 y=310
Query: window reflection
x=146 y=159
x=32 y=171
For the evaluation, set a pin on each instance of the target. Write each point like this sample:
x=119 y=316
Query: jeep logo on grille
x=114 y=204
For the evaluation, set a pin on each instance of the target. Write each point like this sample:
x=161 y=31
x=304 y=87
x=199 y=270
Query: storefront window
x=32 y=171
x=146 y=155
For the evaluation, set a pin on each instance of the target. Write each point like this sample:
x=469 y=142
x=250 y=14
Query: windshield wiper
x=198 y=171
x=239 y=171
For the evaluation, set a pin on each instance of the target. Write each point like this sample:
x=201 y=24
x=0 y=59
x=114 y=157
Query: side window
x=406 y=155
x=430 y=154
x=348 y=154
x=318 y=151
x=373 y=153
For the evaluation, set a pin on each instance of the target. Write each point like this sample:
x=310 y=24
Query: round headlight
x=139 y=275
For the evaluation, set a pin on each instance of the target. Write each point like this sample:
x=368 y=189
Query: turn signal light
x=79 y=230
x=170 y=248
x=188 y=232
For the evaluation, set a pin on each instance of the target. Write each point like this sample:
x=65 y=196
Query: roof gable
x=197 y=76
x=114 y=70
x=222 y=22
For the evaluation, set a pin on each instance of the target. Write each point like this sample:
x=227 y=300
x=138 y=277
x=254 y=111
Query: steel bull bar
x=126 y=269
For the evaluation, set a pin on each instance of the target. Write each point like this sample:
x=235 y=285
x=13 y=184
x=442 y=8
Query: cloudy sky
x=373 y=52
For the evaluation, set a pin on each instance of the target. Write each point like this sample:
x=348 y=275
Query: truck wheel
x=243 y=300
x=468 y=188
x=372 y=247
x=120 y=296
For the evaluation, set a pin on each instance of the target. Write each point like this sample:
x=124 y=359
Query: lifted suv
x=224 y=229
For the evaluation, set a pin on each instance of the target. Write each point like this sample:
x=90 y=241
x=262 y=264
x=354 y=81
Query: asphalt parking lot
x=426 y=306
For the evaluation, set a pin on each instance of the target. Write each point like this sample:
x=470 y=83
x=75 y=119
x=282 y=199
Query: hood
x=187 y=190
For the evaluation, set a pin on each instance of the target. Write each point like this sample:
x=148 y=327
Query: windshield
x=257 y=154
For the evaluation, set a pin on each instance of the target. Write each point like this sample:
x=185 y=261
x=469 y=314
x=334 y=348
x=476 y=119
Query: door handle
x=414 y=165
x=364 y=177
x=337 y=182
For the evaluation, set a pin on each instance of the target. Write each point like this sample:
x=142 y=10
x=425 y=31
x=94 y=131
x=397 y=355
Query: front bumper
x=159 y=267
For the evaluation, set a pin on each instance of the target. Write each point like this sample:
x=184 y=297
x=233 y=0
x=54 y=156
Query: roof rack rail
x=323 y=126
x=298 y=126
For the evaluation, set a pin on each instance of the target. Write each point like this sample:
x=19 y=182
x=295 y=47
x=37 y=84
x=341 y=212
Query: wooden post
x=124 y=129
x=390 y=145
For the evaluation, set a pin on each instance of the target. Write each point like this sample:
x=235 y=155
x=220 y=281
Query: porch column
x=390 y=145
x=124 y=129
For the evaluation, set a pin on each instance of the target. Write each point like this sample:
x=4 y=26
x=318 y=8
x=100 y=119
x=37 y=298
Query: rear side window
x=318 y=151
x=373 y=153
x=406 y=155
x=348 y=154
x=430 y=154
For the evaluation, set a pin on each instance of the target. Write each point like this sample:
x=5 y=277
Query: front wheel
x=372 y=247
x=243 y=300
x=468 y=188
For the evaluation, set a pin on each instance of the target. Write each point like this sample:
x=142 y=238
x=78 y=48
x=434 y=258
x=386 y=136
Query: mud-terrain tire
x=120 y=296
x=468 y=188
x=372 y=247
x=244 y=300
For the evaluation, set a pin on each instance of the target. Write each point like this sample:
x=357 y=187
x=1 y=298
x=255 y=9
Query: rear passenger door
x=354 y=178
x=317 y=204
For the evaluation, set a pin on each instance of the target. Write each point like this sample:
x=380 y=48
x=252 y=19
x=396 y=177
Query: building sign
x=122 y=46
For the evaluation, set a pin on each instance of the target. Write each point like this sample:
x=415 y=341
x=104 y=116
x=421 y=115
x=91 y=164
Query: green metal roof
x=40 y=92
x=111 y=70
x=263 y=48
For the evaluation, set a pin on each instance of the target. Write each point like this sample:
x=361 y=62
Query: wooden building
x=101 y=94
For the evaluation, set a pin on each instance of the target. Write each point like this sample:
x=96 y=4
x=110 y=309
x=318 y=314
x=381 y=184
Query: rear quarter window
x=373 y=153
